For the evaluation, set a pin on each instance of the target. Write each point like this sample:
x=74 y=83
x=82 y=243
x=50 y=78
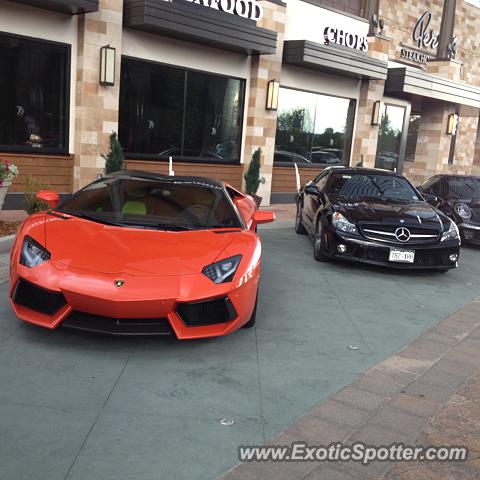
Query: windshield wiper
x=160 y=226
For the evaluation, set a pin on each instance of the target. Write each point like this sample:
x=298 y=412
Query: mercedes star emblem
x=119 y=283
x=403 y=234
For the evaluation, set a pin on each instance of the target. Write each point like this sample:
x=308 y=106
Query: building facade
x=381 y=83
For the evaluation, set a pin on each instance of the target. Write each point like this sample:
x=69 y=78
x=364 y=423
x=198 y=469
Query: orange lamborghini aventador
x=140 y=253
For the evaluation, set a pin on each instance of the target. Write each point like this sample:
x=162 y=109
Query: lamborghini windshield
x=150 y=203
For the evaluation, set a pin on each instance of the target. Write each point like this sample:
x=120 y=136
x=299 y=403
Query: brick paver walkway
x=426 y=394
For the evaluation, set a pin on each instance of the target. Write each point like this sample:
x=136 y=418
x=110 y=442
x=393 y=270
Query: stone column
x=96 y=107
x=433 y=143
x=366 y=135
x=262 y=124
x=465 y=145
x=476 y=156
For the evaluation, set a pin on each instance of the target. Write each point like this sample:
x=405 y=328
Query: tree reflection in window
x=390 y=137
x=313 y=128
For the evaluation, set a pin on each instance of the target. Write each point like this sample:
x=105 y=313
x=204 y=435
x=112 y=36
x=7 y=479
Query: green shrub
x=31 y=204
x=114 y=158
x=252 y=177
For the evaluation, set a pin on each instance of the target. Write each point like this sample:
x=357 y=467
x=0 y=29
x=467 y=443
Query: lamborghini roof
x=166 y=178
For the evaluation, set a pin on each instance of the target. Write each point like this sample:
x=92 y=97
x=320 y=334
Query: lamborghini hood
x=102 y=248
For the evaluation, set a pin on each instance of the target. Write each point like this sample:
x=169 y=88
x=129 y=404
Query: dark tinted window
x=458 y=187
x=167 y=111
x=314 y=128
x=213 y=117
x=151 y=104
x=33 y=94
x=154 y=203
x=386 y=187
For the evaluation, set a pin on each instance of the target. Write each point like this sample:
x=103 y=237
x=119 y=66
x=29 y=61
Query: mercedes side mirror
x=311 y=189
x=432 y=199
x=49 y=197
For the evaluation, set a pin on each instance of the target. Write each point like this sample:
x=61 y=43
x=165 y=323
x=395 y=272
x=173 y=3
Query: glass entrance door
x=390 y=136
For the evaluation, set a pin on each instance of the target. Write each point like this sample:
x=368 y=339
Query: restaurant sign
x=243 y=8
x=426 y=42
x=345 y=39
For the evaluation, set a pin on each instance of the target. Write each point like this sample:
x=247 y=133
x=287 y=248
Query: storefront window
x=390 y=137
x=313 y=129
x=412 y=137
x=33 y=95
x=171 y=111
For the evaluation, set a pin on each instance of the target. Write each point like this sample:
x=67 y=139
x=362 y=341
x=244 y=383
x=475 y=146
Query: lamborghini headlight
x=452 y=233
x=463 y=211
x=341 y=223
x=33 y=253
x=222 y=271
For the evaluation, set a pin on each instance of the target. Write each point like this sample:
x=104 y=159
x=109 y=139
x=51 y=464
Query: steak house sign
x=424 y=38
x=243 y=8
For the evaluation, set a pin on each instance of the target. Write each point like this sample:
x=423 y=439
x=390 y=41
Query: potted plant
x=114 y=158
x=8 y=171
x=252 y=177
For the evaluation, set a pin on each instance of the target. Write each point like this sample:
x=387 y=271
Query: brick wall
x=96 y=106
x=353 y=7
x=262 y=124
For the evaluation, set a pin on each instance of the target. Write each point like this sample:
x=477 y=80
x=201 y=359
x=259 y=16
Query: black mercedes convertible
x=376 y=217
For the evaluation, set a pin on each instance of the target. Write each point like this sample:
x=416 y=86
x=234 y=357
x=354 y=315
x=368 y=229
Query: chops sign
x=346 y=39
x=243 y=8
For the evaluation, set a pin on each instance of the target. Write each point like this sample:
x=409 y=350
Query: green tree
x=114 y=158
x=252 y=177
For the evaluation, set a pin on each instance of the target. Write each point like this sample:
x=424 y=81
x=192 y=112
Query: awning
x=196 y=23
x=332 y=58
x=65 y=6
x=412 y=81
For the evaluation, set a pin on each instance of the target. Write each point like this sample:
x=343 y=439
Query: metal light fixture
x=376 y=113
x=272 y=95
x=107 y=66
x=452 y=124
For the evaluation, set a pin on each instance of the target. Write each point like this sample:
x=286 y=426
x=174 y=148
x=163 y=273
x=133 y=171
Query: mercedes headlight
x=33 y=253
x=452 y=233
x=222 y=271
x=463 y=211
x=341 y=223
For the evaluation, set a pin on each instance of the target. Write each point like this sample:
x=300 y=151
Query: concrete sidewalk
x=428 y=394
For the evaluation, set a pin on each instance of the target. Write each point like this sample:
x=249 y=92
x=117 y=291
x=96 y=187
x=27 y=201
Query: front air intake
x=38 y=299
x=206 y=313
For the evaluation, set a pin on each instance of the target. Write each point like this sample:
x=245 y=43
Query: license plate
x=402 y=256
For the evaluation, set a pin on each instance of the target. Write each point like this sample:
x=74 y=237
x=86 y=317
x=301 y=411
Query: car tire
x=319 y=243
x=299 y=228
x=253 y=318
x=444 y=270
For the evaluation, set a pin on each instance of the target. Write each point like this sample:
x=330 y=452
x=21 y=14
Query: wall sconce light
x=107 y=66
x=272 y=95
x=376 y=113
x=452 y=124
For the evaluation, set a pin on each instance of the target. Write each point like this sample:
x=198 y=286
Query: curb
x=6 y=243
